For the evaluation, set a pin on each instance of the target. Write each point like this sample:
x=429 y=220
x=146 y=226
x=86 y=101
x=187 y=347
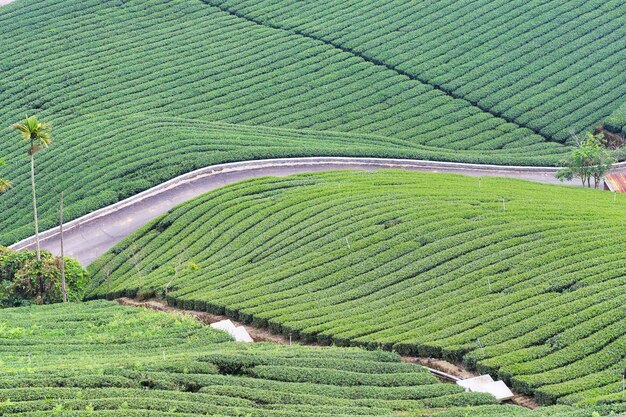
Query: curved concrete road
x=88 y=237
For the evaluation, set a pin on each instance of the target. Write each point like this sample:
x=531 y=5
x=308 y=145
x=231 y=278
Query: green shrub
x=272 y=94
x=530 y=290
x=616 y=122
x=24 y=280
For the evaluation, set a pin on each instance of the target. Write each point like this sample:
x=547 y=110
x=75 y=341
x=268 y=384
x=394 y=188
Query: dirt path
x=259 y=335
x=264 y=335
x=88 y=237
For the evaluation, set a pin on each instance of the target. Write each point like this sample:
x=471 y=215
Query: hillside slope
x=138 y=158
x=523 y=280
x=101 y=359
x=550 y=66
x=128 y=86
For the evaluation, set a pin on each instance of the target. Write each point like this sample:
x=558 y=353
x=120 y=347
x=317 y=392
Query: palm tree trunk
x=32 y=181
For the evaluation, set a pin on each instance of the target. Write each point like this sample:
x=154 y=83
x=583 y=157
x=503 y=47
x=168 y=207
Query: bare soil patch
x=259 y=335
x=441 y=365
x=614 y=140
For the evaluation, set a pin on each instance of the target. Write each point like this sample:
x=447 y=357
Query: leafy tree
x=589 y=160
x=25 y=280
x=4 y=184
x=177 y=268
x=603 y=162
x=37 y=135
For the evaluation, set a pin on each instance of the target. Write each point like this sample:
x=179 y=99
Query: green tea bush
x=616 y=122
x=525 y=61
x=519 y=280
x=145 y=106
x=102 y=359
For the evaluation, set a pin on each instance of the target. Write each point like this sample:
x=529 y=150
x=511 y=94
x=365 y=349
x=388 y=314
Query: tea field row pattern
x=141 y=91
x=521 y=280
x=102 y=359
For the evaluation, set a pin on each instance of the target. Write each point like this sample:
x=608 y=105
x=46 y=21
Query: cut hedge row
x=103 y=359
x=527 y=61
x=80 y=360
x=139 y=92
x=616 y=122
x=520 y=280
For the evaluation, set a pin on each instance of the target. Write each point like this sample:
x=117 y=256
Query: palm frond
x=36 y=132
x=44 y=135
x=32 y=123
x=23 y=129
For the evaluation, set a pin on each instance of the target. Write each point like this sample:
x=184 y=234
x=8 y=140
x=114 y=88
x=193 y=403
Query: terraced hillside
x=133 y=87
x=550 y=66
x=101 y=359
x=522 y=280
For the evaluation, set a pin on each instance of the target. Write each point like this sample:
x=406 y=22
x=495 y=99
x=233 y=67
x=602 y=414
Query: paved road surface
x=90 y=236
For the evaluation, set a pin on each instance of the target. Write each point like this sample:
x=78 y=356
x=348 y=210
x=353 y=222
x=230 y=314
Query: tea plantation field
x=101 y=359
x=140 y=91
x=550 y=66
x=521 y=280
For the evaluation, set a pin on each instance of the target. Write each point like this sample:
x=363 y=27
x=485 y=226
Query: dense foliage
x=24 y=280
x=140 y=91
x=100 y=356
x=551 y=66
x=522 y=280
x=616 y=122
x=590 y=160
x=101 y=359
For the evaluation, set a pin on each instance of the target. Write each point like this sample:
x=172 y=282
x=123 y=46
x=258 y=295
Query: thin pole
x=63 y=285
x=482 y=348
x=32 y=182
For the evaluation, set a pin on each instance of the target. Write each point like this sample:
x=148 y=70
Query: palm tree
x=38 y=136
x=4 y=184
